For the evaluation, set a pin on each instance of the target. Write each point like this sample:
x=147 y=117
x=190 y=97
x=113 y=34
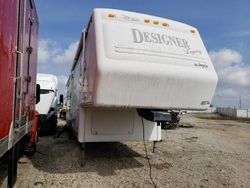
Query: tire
x=48 y=127
x=30 y=149
x=26 y=147
x=52 y=125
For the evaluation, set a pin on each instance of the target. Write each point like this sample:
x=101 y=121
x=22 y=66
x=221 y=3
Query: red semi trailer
x=18 y=68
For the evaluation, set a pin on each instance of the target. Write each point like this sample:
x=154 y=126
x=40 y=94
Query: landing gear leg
x=154 y=146
x=154 y=143
x=12 y=165
x=83 y=160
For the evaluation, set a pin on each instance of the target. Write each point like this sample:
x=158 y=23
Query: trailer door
x=19 y=117
x=23 y=79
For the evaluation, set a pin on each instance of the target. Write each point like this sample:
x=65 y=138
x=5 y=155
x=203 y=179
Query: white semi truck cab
x=47 y=107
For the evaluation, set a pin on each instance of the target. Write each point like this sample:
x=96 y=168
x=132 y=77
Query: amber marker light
x=156 y=22
x=111 y=15
x=192 y=31
x=147 y=21
x=165 y=24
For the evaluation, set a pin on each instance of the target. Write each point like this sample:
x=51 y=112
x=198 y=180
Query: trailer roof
x=46 y=77
x=136 y=18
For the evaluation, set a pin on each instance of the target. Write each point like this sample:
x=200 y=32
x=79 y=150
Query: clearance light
x=165 y=24
x=192 y=31
x=111 y=15
x=147 y=21
x=156 y=22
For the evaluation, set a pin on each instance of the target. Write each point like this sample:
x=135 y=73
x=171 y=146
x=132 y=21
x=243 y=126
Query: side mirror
x=38 y=93
x=61 y=99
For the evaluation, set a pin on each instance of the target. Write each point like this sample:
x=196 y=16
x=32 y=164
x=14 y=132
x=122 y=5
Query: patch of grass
x=220 y=117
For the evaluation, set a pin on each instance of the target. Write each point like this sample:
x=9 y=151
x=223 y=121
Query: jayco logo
x=142 y=36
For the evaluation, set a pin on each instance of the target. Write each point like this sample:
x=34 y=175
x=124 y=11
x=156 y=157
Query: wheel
x=26 y=147
x=52 y=125
x=30 y=149
x=48 y=127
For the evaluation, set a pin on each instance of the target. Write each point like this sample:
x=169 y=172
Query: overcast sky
x=224 y=26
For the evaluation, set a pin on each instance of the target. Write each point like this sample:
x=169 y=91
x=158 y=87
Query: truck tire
x=48 y=127
x=30 y=149
x=53 y=125
x=26 y=147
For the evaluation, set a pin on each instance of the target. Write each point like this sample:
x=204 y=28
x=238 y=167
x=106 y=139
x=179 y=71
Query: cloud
x=231 y=69
x=62 y=81
x=66 y=57
x=43 y=51
x=53 y=59
x=244 y=33
x=47 y=49
x=225 y=57
x=230 y=92
x=49 y=52
x=234 y=76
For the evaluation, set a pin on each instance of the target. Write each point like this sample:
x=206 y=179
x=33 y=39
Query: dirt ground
x=201 y=153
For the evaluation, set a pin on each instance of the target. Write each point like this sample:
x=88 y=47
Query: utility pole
x=240 y=101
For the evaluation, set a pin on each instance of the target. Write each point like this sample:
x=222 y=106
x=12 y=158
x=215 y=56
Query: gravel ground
x=201 y=153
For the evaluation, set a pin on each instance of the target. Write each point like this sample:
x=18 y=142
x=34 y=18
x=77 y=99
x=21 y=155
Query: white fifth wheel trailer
x=129 y=70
